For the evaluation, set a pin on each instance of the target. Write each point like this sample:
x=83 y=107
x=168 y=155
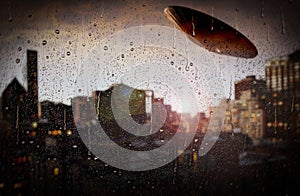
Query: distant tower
x=32 y=82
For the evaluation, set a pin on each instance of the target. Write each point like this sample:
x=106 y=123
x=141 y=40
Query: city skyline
x=49 y=144
x=255 y=94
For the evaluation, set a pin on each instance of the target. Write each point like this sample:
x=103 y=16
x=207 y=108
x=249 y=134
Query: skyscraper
x=32 y=82
x=246 y=113
x=283 y=101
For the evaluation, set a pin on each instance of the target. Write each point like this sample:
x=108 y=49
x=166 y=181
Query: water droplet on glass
x=10 y=19
x=282 y=22
x=262 y=9
x=193 y=34
x=57 y=31
x=174 y=38
x=44 y=42
x=68 y=53
x=19 y=48
x=131 y=43
x=122 y=55
x=172 y=62
x=187 y=68
x=83 y=44
x=132 y=49
x=62 y=55
x=90 y=34
x=17 y=60
x=105 y=48
x=191 y=64
x=102 y=9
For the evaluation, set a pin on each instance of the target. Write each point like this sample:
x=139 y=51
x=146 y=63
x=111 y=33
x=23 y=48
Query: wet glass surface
x=111 y=98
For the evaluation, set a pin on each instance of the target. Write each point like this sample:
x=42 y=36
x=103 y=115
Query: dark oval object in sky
x=211 y=33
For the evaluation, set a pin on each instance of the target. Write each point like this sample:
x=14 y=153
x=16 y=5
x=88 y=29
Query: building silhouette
x=12 y=105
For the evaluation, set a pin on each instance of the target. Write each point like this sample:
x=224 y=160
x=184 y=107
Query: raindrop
x=90 y=34
x=10 y=19
x=19 y=48
x=44 y=42
x=17 y=60
x=102 y=9
x=28 y=41
x=282 y=22
x=262 y=9
x=187 y=68
x=83 y=44
x=131 y=43
x=62 y=55
x=179 y=68
x=174 y=39
x=193 y=30
x=191 y=64
x=172 y=62
x=70 y=42
x=47 y=57
x=122 y=55
x=105 y=48
x=68 y=53
x=57 y=31
x=132 y=49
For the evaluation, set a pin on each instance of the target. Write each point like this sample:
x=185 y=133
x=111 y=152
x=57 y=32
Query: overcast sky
x=64 y=32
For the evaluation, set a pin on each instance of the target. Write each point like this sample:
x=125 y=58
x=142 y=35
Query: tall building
x=32 y=89
x=136 y=102
x=246 y=113
x=12 y=105
x=283 y=100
